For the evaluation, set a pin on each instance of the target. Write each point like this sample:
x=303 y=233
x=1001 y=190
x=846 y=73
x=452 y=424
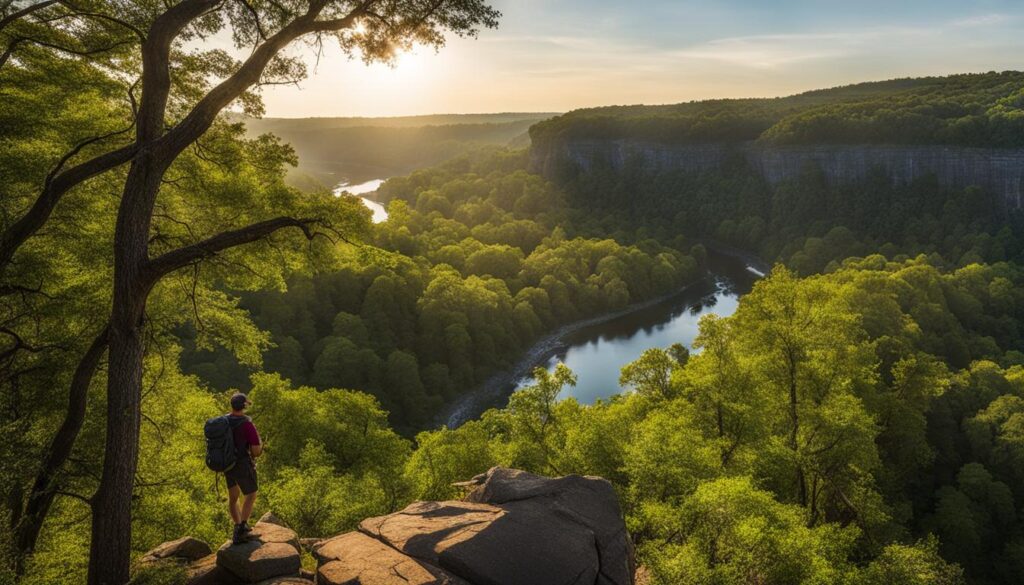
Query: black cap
x=239 y=401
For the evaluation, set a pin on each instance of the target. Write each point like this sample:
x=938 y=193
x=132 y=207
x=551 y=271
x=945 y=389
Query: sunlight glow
x=663 y=56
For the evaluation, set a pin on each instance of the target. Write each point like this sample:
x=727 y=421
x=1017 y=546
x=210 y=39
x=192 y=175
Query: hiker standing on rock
x=241 y=478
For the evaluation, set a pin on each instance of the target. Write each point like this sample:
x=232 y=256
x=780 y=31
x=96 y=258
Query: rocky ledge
x=513 y=528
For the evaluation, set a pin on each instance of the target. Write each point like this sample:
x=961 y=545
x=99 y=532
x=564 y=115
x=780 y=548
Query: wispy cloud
x=772 y=51
x=981 y=20
x=778 y=50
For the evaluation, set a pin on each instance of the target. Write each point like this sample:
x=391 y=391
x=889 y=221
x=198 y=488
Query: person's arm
x=253 y=438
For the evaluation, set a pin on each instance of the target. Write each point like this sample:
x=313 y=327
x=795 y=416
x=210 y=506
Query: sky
x=559 y=55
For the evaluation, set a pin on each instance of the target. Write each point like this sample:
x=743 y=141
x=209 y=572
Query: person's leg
x=233 y=493
x=247 y=503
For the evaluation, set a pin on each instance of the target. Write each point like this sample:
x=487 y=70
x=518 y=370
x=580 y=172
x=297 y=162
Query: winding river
x=361 y=190
x=597 y=348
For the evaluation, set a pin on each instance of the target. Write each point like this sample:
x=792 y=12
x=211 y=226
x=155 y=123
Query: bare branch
x=255 y=18
x=100 y=16
x=7 y=20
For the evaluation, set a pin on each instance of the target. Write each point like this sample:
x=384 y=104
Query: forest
x=858 y=420
x=981 y=110
x=354 y=150
x=483 y=257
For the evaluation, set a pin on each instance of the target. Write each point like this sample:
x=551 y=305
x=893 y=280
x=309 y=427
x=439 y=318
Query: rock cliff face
x=998 y=170
x=513 y=528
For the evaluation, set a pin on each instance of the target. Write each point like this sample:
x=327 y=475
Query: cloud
x=773 y=51
x=981 y=20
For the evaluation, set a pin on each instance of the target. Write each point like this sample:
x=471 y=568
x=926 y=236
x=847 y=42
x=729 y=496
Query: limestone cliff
x=998 y=170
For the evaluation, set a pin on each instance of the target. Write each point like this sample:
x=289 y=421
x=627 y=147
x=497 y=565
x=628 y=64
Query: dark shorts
x=243 y=474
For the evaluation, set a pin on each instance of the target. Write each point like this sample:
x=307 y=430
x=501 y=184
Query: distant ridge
x=328 y=122
x=333 y=150
x=984 y=110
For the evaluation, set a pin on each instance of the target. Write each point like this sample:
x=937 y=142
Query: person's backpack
x=220 y=443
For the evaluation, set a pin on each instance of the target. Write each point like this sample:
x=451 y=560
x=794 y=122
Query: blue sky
x=556 y=55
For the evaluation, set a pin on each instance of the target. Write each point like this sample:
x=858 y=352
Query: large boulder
x=185 y=550
x=206 y=572
x=356 y=559
x=270 y=551
x=270 y=518
x=588 y=501
x=514 y=528
x=195 y=556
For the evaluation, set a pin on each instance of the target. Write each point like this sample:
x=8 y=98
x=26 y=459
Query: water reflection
x=379 y=212
x=597 y=353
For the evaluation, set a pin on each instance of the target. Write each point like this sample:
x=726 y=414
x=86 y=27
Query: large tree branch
x=156 y=78
x=16 y=234
x=210 y=247
x=206 y=110
x=156 y=87
x=44 y=488
x=149 y=124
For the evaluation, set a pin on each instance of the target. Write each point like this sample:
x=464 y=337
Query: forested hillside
x=354 y=150
x=985 y=110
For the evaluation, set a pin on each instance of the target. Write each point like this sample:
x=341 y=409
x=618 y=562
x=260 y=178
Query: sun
x=406 y=69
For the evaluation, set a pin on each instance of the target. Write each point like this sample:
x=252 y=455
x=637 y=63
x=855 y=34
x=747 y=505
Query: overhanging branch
x=210 y=247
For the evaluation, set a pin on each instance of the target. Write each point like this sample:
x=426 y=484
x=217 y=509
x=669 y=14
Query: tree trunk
x=794 y=430
x=110 y=547
x=44 y=489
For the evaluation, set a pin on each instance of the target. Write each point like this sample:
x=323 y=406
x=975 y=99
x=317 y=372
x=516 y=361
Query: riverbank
x=494 y=391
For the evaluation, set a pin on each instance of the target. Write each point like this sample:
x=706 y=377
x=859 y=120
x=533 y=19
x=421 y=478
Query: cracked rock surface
x=514 y=528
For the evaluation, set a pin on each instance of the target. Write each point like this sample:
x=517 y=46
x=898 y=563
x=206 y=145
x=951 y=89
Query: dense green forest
x=854 y=425
x=484 y=257
x=354 y=150
x=807 y=222
x=985 y=110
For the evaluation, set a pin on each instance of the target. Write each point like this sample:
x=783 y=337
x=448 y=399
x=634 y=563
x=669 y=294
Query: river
x=361 y=190
x=596 y=349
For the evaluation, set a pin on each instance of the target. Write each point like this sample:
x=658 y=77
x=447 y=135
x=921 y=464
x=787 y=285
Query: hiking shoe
x=245 y=528
x=238 y=536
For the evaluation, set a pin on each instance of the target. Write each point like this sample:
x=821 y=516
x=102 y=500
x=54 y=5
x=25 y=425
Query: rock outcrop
x=357 y=559
x=270 y=551
x=513 y=528
x=270 y=556
x=1000 y=170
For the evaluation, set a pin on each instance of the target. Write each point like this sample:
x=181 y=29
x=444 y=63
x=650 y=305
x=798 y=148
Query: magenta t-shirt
x=245 y=435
